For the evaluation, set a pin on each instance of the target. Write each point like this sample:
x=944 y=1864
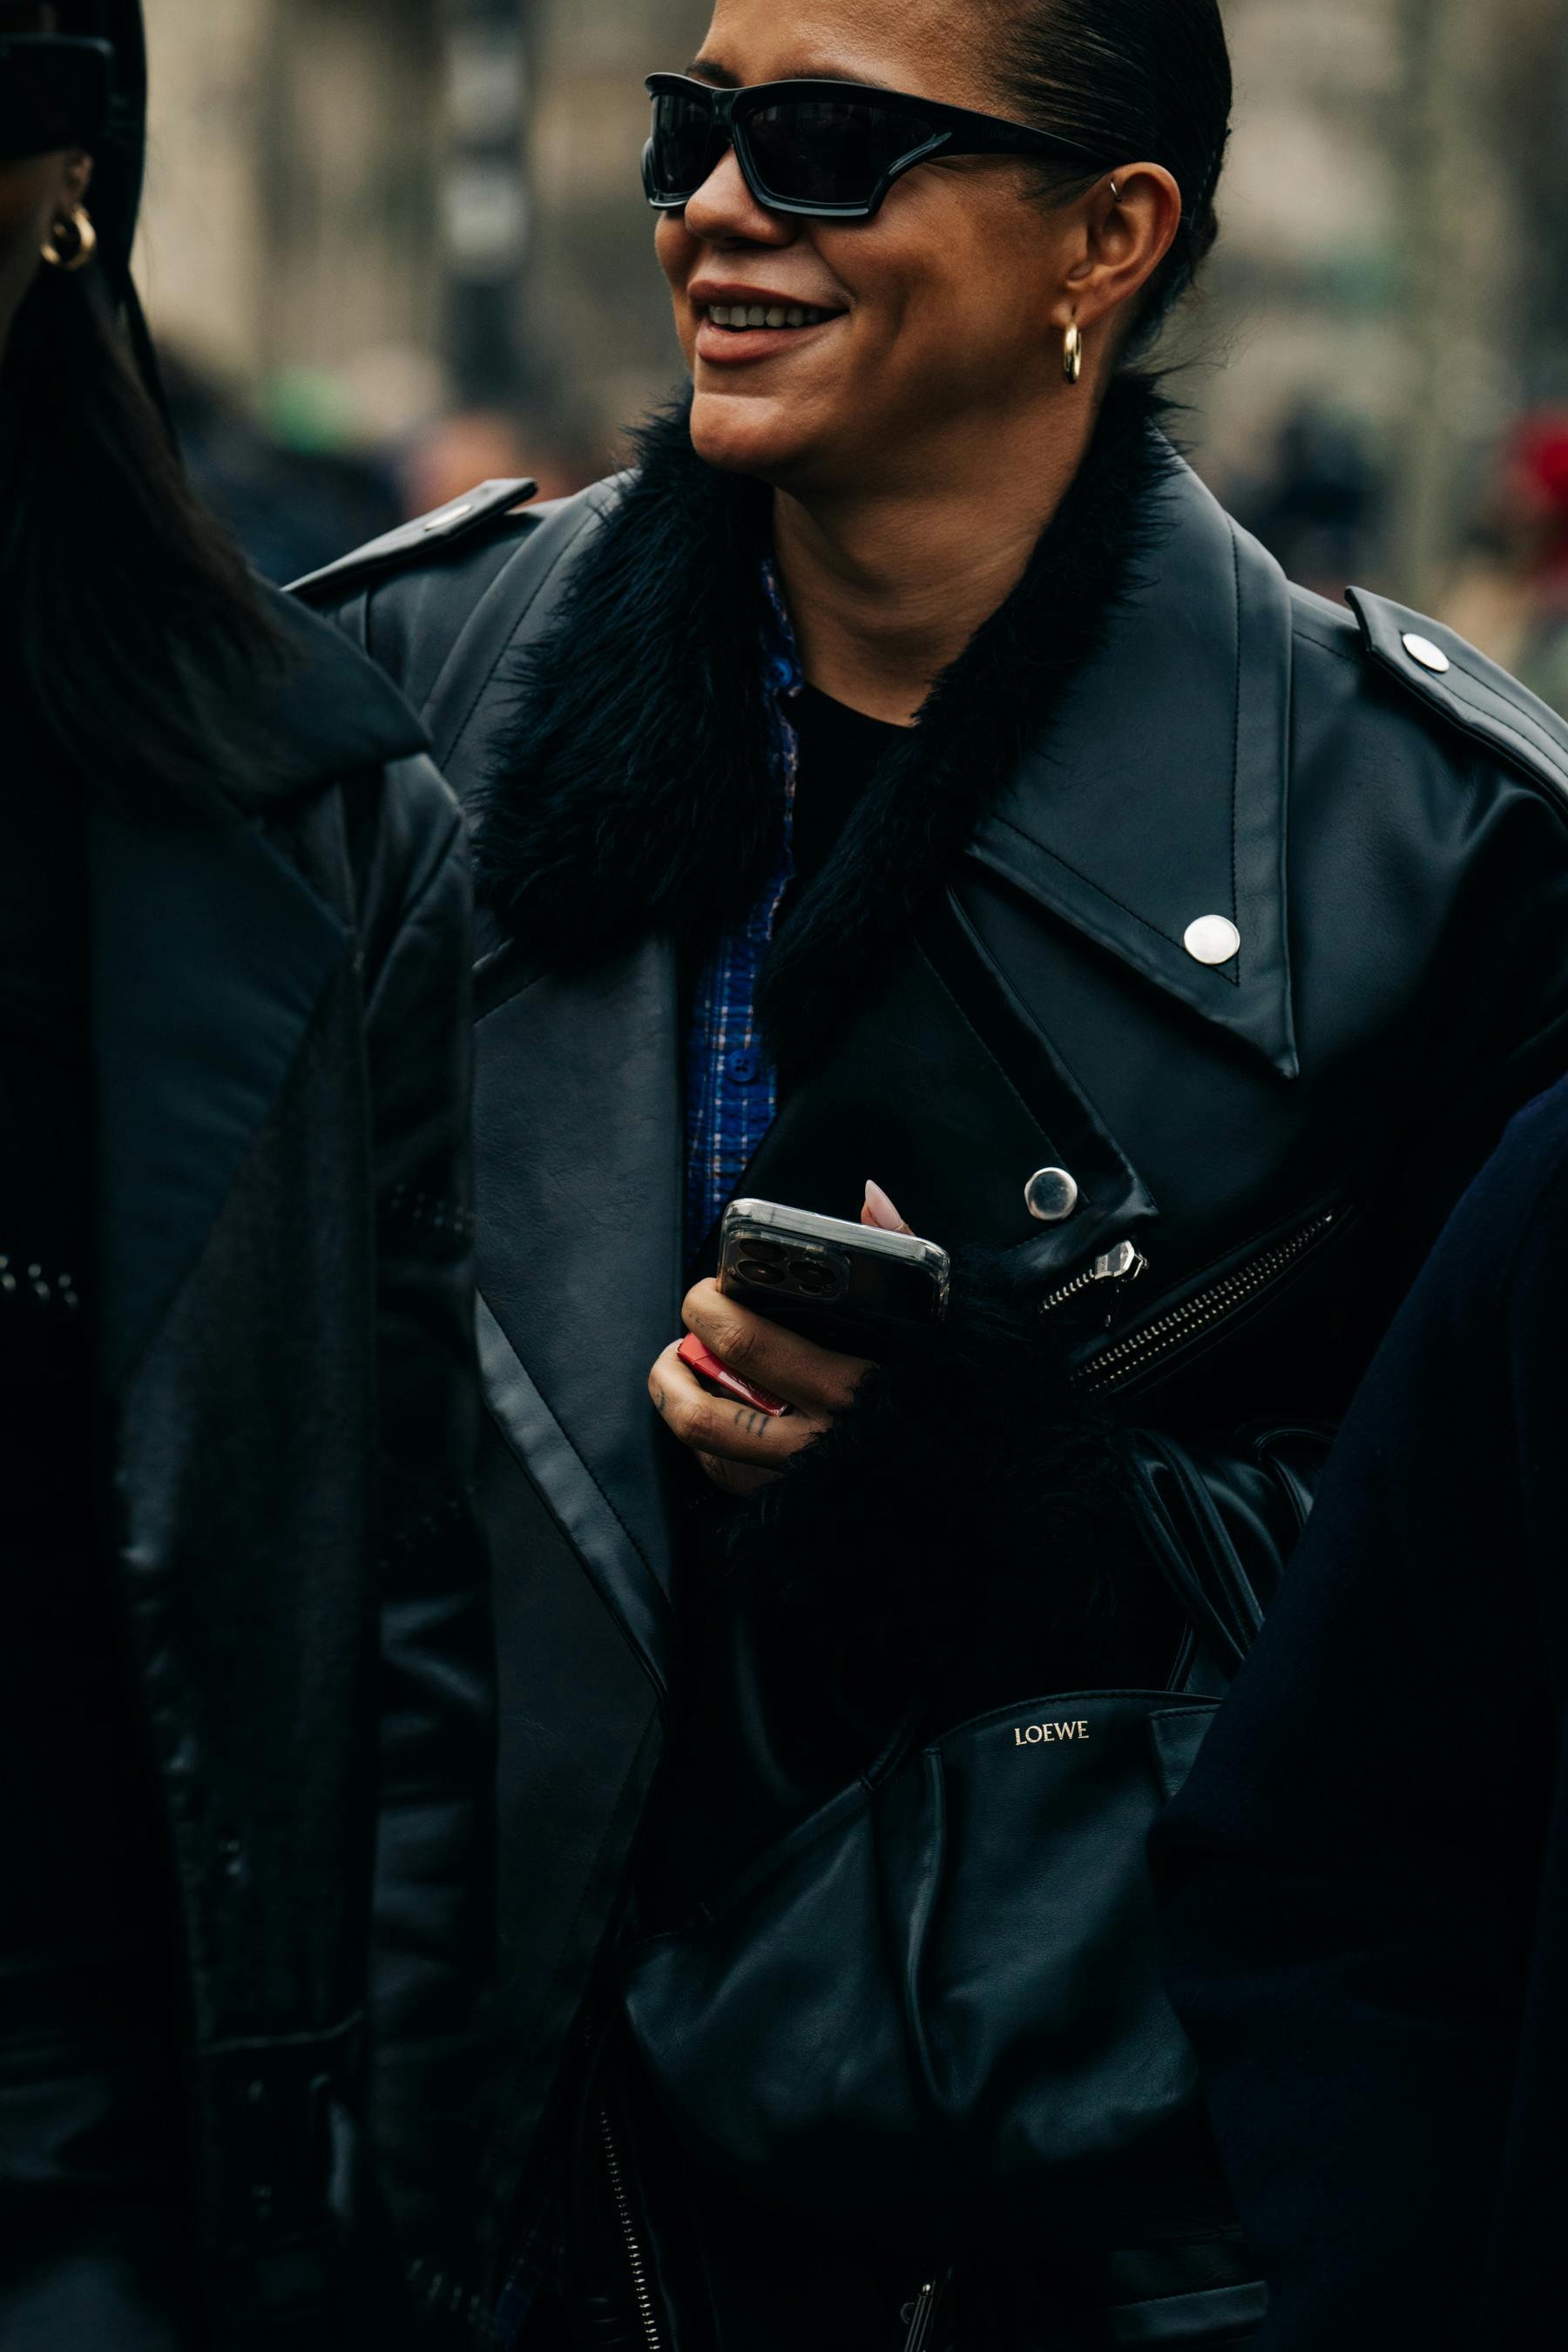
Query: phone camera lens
x=759 y=1252
x=761 y=1270
x=813 y=1281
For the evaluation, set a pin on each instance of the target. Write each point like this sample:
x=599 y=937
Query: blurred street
x=395 y=245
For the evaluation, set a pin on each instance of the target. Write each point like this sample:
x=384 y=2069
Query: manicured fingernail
x=883 y=1213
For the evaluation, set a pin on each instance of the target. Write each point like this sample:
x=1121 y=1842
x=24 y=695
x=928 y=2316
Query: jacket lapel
x=1158 y=796
x=940 y=1086
x=578 y=1151
x=209 y=955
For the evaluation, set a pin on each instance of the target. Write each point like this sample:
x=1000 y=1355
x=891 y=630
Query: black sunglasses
x=54 y=92
x=825 y=150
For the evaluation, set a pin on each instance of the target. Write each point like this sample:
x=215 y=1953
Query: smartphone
x=852 y=1288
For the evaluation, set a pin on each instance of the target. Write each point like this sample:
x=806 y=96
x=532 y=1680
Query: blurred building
x=367 y=215
x=1394 y=271
x=418 y=225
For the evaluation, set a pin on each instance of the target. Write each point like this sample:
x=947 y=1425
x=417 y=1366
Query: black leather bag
x=932 y=2016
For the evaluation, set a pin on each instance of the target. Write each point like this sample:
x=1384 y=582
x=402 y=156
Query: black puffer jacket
x=1247 y=912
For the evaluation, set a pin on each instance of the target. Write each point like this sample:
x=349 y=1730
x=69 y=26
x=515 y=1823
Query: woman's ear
x=77 y=177
x=1131 y=222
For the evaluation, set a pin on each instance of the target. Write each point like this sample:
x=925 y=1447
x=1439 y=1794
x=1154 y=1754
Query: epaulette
x=459 y=519
x=1470 y=692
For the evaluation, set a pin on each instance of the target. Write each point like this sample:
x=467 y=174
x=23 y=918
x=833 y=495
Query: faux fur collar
x=636 y=792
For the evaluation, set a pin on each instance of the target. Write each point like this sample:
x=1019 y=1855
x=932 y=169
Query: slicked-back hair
x=1148 y=80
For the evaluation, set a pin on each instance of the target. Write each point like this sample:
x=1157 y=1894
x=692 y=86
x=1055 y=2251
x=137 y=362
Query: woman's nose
x=724 y=211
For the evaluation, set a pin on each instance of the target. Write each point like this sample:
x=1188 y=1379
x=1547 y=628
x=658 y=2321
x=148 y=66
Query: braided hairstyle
x=1140 y=80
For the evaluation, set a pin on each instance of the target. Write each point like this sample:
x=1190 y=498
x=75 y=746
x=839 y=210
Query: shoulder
x=1377 y=663
x=317 y=714
x=345 y=763
x=407 y=599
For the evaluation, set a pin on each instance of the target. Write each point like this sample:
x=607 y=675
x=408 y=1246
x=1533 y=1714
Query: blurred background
x=395 y=247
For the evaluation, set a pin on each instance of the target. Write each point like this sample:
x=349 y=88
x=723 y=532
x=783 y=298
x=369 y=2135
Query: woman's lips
x=734 y=346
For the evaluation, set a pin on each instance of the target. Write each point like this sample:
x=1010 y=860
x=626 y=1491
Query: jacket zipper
x=635 y=2263
x=1109 y=1367
x=1123 y=1264
x=919 y=2314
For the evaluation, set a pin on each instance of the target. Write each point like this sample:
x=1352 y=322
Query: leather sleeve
x=1222 y=1517
x=1080 y=1538
x=1352 y=1879
x=434 y=1923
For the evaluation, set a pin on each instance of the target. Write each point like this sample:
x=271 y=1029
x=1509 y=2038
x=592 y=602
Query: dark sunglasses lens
x=829 y=151
x=682 y=154
x=53 y=94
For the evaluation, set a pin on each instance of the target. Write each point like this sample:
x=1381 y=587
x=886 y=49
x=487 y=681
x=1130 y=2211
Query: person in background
x=1317 y=502
x=285 y=509
x=245 y=1672
x=908 y=772
x=1366 y=1877
x=1512 y=598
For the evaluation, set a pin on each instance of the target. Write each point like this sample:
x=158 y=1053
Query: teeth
x=742 y=314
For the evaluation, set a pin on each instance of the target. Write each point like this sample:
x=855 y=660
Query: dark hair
x=1137 y=81
x=127 y=619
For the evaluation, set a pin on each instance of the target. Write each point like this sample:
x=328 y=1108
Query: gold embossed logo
x=1048 y=1735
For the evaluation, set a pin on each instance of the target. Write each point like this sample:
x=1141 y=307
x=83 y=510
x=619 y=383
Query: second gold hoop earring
x=73 y=242
x=1072 y=354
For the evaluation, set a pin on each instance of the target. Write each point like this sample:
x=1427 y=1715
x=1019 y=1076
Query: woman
x=245 y=1683
x=908 y=772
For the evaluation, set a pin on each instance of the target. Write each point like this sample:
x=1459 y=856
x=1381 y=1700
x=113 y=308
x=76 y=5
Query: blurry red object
x=1539 y=457
x=700 y=1359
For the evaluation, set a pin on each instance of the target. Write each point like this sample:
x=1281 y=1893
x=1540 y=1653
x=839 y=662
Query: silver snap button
x=1051 y=1195
x=1422 y=650
x=1211 y=939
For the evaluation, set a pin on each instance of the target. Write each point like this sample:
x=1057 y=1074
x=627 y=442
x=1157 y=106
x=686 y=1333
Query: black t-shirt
x=840 y=752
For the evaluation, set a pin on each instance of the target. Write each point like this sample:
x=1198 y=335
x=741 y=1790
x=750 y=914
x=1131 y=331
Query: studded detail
x=1051 y=1195
x=30 y=1285
x=426 y=1209
x=1430 y=656
x=1212 y=940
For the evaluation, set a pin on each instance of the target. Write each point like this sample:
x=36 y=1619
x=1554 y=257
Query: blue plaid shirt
x=731 y=1091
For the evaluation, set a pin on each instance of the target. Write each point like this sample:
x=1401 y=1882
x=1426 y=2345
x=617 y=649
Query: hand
x=742 y=1450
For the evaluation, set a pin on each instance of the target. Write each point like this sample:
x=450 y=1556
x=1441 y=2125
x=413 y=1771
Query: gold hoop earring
x=1072 y=355
x=73 y=242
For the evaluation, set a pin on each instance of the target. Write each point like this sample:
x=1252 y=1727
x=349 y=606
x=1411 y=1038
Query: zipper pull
x=918 y=2316
x=1125 y=1263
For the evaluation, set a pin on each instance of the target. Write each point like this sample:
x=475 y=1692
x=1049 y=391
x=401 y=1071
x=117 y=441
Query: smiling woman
x=908 y=773
x=922 y=331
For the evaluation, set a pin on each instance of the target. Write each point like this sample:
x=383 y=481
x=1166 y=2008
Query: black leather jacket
x=280 y=1036
x=1374 y=809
